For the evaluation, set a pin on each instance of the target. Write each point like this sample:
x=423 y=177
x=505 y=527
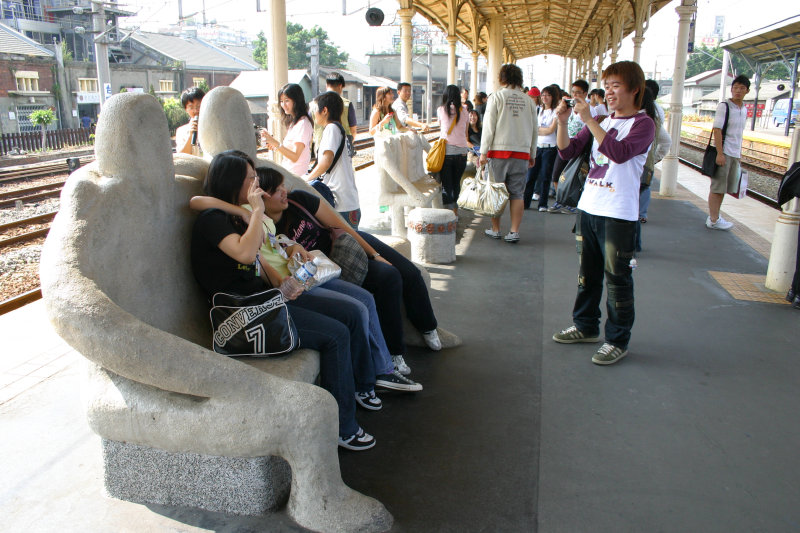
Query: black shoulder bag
x=318 y=185
x=710 y=155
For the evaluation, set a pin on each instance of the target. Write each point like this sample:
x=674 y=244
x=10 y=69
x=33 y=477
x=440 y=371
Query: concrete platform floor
x=696 y=430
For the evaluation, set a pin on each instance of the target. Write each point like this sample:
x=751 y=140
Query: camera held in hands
x=570 y=102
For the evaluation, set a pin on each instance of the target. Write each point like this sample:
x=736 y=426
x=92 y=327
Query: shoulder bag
x=258 y=325
x=435 y=159
x=345 y=251
x=573 y=178
x=483 y=196
x=710 y=155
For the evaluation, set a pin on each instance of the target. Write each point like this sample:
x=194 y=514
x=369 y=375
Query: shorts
x=512 y=172
x=726 y=178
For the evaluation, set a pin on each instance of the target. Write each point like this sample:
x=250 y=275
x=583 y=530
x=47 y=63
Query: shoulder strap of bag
x=452 y=125
x=724 y=127
x=339 y=150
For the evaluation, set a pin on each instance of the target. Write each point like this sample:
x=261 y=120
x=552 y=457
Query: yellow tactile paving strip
x=748 y=287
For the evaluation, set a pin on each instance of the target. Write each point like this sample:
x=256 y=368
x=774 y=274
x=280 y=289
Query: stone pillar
x=451 y=59
x=599 y=70
x=278 y=59
x=726 y=58
x=614 y=52
x=495 y=52
x=669 y=168
x=783 y=254
x=473 y=82
x=406 y=38
x=637 y=45
x=565 y=72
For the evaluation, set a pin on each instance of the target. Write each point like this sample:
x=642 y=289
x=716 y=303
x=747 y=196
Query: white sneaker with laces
x=432 y=340
x=493 y=234
x=400 y=365
x=721 y=223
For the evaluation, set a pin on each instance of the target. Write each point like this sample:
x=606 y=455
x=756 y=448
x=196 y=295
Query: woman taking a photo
x=296 y=146
x=453 y=124
x=609 y=207
x=224 y=253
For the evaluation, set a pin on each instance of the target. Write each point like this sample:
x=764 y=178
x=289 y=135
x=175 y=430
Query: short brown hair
x=510 y=75
x=631 y=75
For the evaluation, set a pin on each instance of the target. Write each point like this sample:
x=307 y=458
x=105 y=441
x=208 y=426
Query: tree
x=705 y=58
x=176 y=114
x=43 y=118
x=297 y=39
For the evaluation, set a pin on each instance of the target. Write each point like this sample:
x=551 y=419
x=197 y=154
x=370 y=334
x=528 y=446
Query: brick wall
x=8 y=67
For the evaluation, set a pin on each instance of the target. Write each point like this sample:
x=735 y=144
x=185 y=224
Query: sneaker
x=567 y=210
x=396 y=381
x=721 y=223
x=432 y=340
x=493 y=234
x=535 y=196
x=572 y=335
x=543 y=210
x=368 y=400
x=512 y=236
x=400 y=365
x=357 y=442
x=608 y=354
x=555 y=208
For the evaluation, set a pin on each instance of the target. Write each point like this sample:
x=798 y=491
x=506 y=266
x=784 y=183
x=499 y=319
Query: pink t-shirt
x=300 y=132
x=459 y=135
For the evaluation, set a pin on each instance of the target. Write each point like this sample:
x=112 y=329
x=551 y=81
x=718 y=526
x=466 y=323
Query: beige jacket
x=510 y=122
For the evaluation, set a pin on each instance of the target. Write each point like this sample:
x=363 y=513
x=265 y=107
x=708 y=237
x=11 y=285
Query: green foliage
x=66 y=52
x=297 y=40
x=43 y=117
x=204 y=86
x=705 y=58
x=176 y=115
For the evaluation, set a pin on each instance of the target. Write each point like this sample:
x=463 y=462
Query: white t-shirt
x=341 y=178
x=737 y=119
x=546 y=118
x=599 y=110
x=300 y=132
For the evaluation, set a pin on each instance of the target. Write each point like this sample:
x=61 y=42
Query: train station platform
x=696 y=430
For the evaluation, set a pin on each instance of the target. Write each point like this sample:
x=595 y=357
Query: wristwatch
x=375 y=255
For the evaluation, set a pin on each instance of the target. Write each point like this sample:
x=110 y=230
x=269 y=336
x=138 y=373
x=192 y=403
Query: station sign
x=88 y=98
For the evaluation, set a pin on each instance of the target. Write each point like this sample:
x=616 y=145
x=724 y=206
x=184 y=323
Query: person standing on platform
x=729 y=150
x=508 y=143
x=400 y=108
x=186 y=135
x=605 y=226
x=453 y=124
x=596 y=100
x=335 y=82
x=539 y=174
x=382 y=119
x=480 y=104
x=296 y=145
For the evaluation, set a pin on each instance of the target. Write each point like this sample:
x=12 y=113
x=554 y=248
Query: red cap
x=534 y=92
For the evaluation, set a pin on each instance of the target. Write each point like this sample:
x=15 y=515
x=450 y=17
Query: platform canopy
x=776 y=42
x=568 y=28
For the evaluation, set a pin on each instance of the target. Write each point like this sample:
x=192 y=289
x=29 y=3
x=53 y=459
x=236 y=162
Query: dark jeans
x=796 y=279
x=539 y=176
x=451 y=173
x=393 y=286
x=335 y=328
x=605 y=248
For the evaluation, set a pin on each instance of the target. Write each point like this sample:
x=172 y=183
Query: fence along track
x=32 y=141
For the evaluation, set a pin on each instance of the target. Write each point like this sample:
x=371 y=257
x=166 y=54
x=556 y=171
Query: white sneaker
x=400 y=365
x=721 y=223
x=535 y=196
x=432 y=340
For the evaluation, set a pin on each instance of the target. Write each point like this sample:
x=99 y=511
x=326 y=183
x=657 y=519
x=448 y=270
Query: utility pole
x=429 y=84
x=314 y=55
x=101 y=50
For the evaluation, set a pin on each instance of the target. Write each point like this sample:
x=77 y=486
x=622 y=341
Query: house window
x=198 y=81
x=87 y=85
x=165 y=86
x=345 y=94
x=27 y=80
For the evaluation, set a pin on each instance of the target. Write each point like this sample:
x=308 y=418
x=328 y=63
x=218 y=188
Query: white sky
x=352 y=34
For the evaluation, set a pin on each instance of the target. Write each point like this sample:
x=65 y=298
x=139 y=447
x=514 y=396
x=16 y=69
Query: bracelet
x=375 y=255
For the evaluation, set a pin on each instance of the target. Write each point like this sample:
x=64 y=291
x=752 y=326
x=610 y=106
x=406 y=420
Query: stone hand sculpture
x=118 y=287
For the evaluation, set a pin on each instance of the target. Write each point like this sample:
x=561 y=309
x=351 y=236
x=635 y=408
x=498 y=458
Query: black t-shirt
x=297 y=226
x=213 y=269
x=475 y=136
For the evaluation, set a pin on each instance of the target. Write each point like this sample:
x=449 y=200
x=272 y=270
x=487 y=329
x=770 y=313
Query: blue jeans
x=605 y=248
x=348 y=292
x=331 y=339
x=352 y=217
x=394 y=286
x=539 y=177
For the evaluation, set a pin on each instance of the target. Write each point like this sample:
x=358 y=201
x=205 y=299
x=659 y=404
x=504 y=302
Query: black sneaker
x=397 y=381
x=360 y=441
x=368 y=400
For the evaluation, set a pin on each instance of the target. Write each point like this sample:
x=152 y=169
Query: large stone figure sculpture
x=118 y=286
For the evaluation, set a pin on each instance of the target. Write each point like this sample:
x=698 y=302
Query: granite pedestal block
x=432 y=234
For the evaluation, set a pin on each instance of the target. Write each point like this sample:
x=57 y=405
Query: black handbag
x=710 y=155
x=257 y=325
x=573 y=177
x=790 y=184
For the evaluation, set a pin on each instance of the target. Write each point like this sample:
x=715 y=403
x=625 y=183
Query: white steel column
x=637 y=46
x=783 y=254
x=451 y=59
x=406 y=41
x=473 y=82
x=495 y=52
x=599 y=70
x=669 y=168
x=726 y=58
x=614 y=52
x=565 y=73
x=278 y=63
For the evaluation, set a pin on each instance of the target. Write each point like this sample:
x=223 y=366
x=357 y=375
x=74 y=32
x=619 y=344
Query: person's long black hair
x=452 y=96
x=225 y=178
x=293 y=92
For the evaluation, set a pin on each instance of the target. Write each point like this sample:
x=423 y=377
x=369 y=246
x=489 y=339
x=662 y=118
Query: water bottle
x=305 y=272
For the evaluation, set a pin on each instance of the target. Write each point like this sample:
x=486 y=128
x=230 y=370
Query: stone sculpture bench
x=117 y=285
x=403 y=179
